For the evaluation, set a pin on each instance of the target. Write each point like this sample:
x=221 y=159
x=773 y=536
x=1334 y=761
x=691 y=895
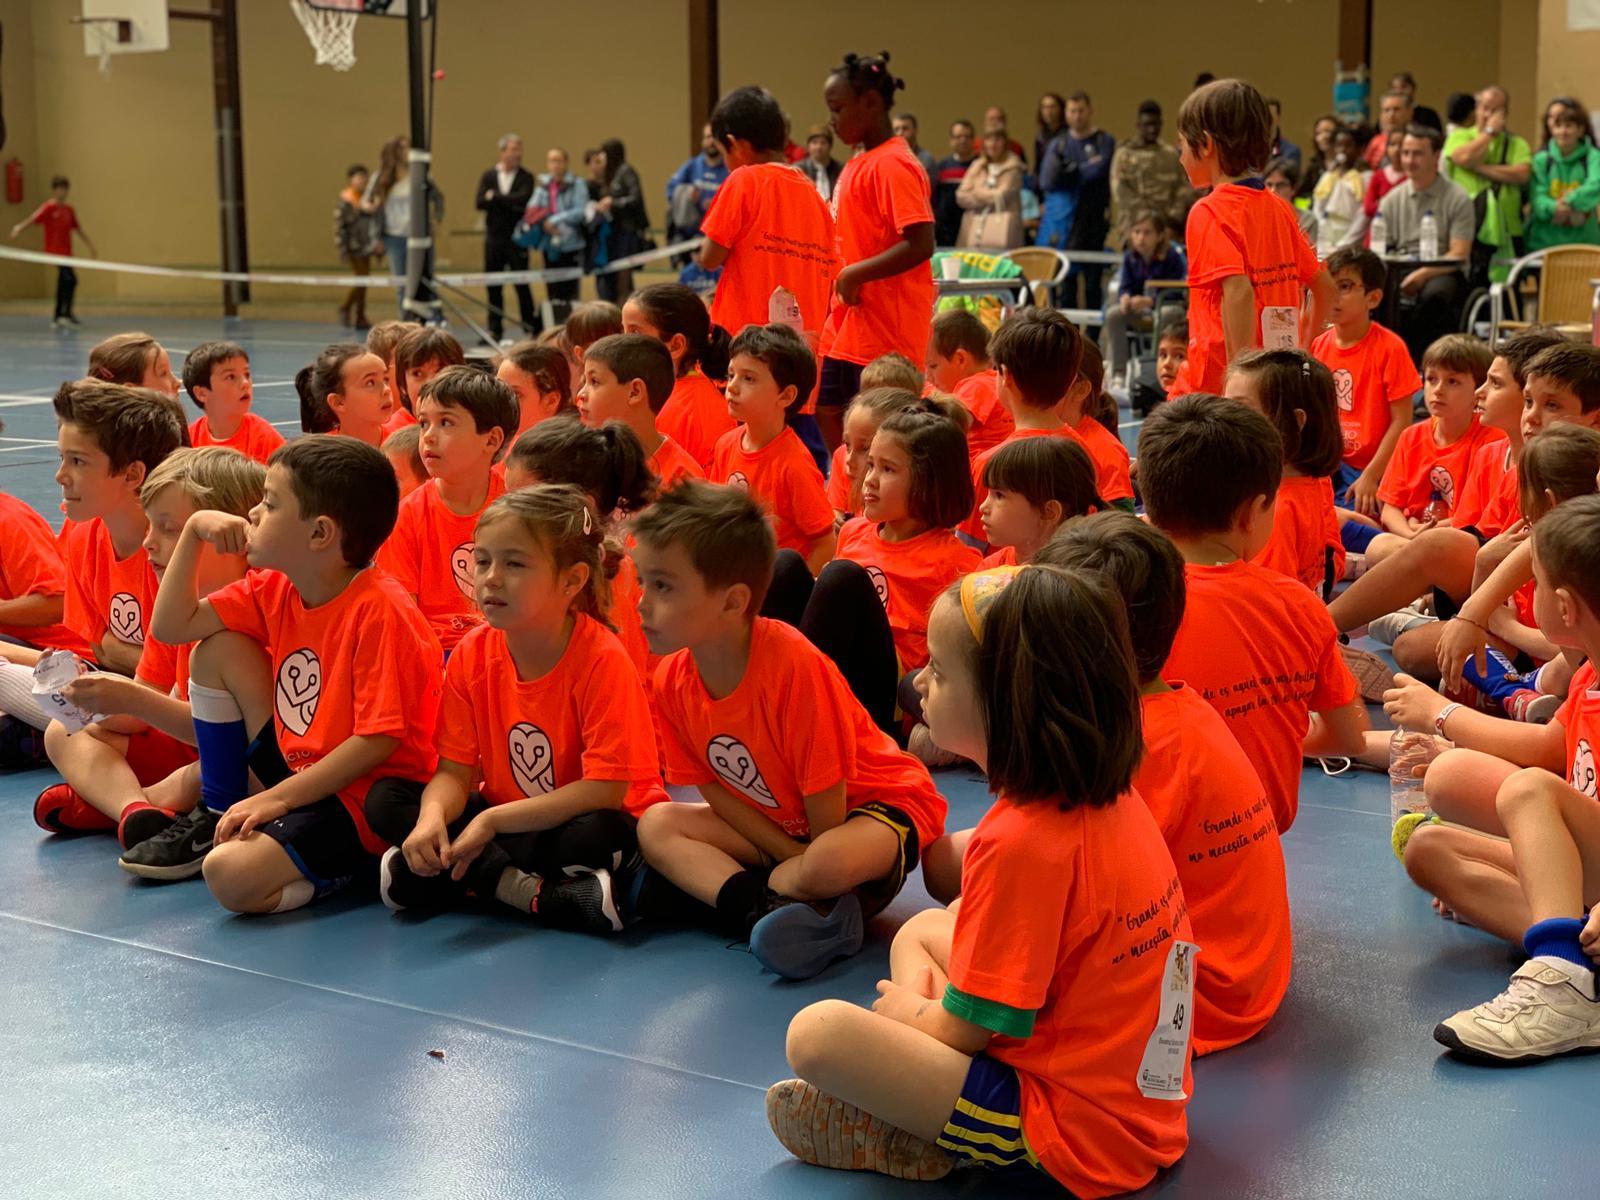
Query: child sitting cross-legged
x=812 y=818
x=627 y=377
x=546 y=754
x=958 y=363
x=1042 y=1030
x=869 y=410
x=1035 y=485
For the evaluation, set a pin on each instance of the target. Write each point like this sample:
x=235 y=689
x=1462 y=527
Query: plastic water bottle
x=1407 y=751
x=1437 y=511
x=783 y=308
x=1428 y=236
x=1380 y=236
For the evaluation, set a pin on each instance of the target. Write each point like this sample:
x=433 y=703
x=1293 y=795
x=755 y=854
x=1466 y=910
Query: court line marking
x=418 y=1009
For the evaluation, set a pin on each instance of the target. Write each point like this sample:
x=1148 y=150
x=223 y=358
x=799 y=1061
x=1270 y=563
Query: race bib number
x=1280 y=327
x=1161 y=1069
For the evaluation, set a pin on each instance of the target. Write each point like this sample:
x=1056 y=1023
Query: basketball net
x=332 y=33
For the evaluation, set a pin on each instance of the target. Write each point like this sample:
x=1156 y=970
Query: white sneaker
x=1548 y=1009
x=1390 y=626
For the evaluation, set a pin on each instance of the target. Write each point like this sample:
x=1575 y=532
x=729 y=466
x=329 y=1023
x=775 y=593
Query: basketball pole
x=420 y=241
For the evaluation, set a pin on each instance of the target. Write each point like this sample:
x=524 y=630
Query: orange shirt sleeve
x=86 y=609
x=158 y=665
x=619 y=742
x=400 y=555
x=816 y=706
x=1214 y=254
x=1335 y=687
x=729 y=214
x=681 y=762
x=456 y=736
x=903 y=192
x=806 y=498
x=30 y=560
x=392 y=669
x=238 y=608
x=1400 y=476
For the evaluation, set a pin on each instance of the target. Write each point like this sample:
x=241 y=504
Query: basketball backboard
x=123 y=27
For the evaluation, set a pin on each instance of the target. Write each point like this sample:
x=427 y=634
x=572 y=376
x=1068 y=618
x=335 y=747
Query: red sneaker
x=59 y=809
x=141 y=820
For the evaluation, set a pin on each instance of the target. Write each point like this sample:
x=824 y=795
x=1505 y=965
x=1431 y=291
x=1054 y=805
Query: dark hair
x=1573 y=365
x=1297 y=396
x=631 y=356
x=608 y=463
x=123 y=358
x=1041 y=351
x=1459 y=352
x=1080 y=96
x=421 y=346
x=493 y=404
x=1458 y=108
x=560 y=519
x=129 y=424
x=406 y=442
x=751 y=114
x=1175 y=330
x=549 y=368
x=1368 y=266
x=1282 y=166
x=203 y=360
x=1433 y=137
x=321 y=378
x=355 y=169
x=347 y=481
x=1522 y=349
x=616 y=154
x=1563 y=461
x=902 y=115
x=1148 y=108
x=1058 y=690
x=1183 y=444
x=1140 y=564
x=971 y=128
x=960 y=329
x=785 y=355
x=1568 y=549
x=1232 y=113
x=58 y=181
x=675 y=309
x=591 y=321
x=722 y=529
x=1042 y=469
x=941 y=474
x=1038 y=113
x=870 y=73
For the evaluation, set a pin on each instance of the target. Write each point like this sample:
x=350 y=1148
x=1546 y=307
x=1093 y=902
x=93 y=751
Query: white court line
x=29 y=441
x=35 y=449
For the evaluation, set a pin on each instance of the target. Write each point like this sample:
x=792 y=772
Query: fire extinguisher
x=13 y=181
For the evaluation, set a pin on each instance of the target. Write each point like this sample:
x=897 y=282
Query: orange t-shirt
x=838 y=488
x=1110 y=471
x=1420 y=467
x=672 y=464
x=1263 y=652
x=1304 y=528
x=1213 y=811
x=908 y=577
x=1074 y=916
x=31 y=565
x=791 y=729
x=991 y=419
x=1238 y=230
x=1488 y=500
x=365 y=664
x=103 y=592
x=783 y=476
x=1579 y=718
x=624 y=614
x=586 y=718
x=779 y=233
x=398 y=419
x=695 y=416
x=1006 y=556
x=254 y=438
x=1367 y=378
x=1112 y=462
x=165 y=667
x=881 y=193
x=430 y=555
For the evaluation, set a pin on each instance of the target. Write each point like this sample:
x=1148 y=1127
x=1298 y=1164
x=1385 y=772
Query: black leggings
x=839 y=611
x=66 y=286
x=594 y=841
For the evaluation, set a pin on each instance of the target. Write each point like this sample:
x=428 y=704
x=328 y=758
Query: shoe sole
x=826 y=1132
x=1451 y=1040
x=186 y=870
x=797 y=942
x=608 y=901
x=386 y=881
x=1372 y=674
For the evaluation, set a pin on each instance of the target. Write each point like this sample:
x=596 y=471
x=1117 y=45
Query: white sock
x=295 y=895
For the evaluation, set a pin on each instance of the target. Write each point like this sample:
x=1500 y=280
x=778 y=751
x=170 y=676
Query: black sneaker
x=584 y=903
x=400 y=888
x=177 y=851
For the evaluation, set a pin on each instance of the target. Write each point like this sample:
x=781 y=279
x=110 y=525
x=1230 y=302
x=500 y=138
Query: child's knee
x=1428 y=857
x=1527 y=791
x=941 y=870
x=657 y=824
x=835 y=874
x=806 y=1045
x=921 y=928
x=234 y=883
x=55 y=739
x=1449 y=774
x=1416 y=651
x=226 y=660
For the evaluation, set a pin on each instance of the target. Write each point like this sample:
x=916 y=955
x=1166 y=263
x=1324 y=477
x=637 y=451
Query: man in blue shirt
x=692 y=188
x=1076 y=180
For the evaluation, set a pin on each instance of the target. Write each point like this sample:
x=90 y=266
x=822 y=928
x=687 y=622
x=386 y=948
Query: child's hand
x=1412 y=704
x=849 y=291
x=1498 y=548
x=1363 y=494
x=228 y=533
x=1460 y=640
x=464 y=851
x=248 y=815
x=425 y=849
x=1589 y=938
x=102 y=692
x=900 y=1003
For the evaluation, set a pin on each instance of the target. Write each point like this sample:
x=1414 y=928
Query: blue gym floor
x=156 y=1047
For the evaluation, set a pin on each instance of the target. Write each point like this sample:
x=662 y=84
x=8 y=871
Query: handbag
x=992 y=230
x=529 y=233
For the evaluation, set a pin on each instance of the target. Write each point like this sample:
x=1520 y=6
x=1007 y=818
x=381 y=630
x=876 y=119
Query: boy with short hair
x=403 y=449
x=1248 y=260
x=418 y=356
x=383 y=339
x=806 y=801
x=1373 y=376
x=60 y=221
x=958 y=363
x=329 y=650
x=1256 y=644
x=629 y=377
x=770 y=374
x=466 y=420
x=1172 y=351
x=217 y=377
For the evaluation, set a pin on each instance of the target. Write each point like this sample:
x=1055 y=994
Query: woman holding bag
x=991 y=195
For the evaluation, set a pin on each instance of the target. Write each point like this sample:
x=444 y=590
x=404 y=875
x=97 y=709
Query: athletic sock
x=1557 y=938
x=224 y=746
x=741 y=903
x=517 y=888
x=296 y=894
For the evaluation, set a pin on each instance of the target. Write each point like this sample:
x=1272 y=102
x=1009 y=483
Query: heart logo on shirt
x=739 y=479
x=1583 y=769
x=127 y=619
x=1439 y=479
x=736 y=766
x=533 y=762
x=461 y=567
x=880 y=584
x=298 y=690
x=1344 y=389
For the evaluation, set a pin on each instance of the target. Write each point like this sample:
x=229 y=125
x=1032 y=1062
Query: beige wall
x=22 y=143
x=1568 y=61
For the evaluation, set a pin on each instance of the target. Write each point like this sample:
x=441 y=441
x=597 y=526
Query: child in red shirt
x=546 y=752
x=628 y=378
x=60 y=222
x=862 y=418
x=958 y=363
x=695 y=413
x=403 y=449
x=1033 y=486
x=1097 y=426
x=1249 y=263
x=134 y=766
x=770 y=373
x=217 y=377
x=466 y=419
x=1295 y=392
x=1254 y=643
x=419 y=355
x=1043 y=1032
x=806 y=800
x=541 y=379
x=883 y=217
x=321 y=653
x=33 y=581
x=345 y=390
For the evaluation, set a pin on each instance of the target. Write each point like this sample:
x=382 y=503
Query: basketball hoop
x=331 y=28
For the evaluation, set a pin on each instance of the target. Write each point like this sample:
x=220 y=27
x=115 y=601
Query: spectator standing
x=1147 y=174
x=993 y=181
x=59 y=221
x=1395 y=112
x=504 y=192
x=994 y=117
x=693 y=187
x=1421 y=114
x=1565 y=191
x=1051 y=117
x=355 y=236
x=622 y=202
x=566 y=197
x=1321 y=155
x=905 y=126
x=389 y=195
x=948 y=174
x=1433 y=296
x=1282 y=147
x=1337 y=200
x=1076 y=179
x=819 y=164
x=1489 y=161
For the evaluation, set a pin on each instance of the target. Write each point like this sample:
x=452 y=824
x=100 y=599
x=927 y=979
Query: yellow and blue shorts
x=985 y=1129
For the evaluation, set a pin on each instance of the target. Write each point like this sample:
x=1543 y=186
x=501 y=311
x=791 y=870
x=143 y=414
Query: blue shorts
x=986 y=1127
